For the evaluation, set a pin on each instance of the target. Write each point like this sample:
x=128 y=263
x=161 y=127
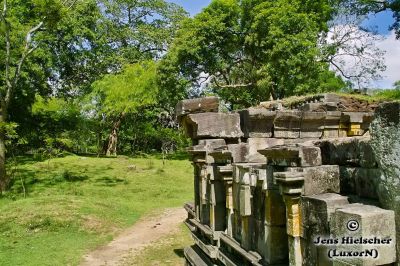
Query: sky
x=379 y=22
x=192 y=6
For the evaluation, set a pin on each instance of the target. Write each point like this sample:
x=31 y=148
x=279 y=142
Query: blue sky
x=192 y=6
x=380 y=22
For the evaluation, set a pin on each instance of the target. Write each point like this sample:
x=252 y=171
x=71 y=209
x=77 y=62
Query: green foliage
x=78 y=44
x=392 y=94
x=247 y=51
x=134 y=88
x=397 y=85
x=147 y=132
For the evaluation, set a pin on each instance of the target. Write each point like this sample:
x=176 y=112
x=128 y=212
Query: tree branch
x=71 y=5
x=231 y=86
x=27 y=51
x=8 y=47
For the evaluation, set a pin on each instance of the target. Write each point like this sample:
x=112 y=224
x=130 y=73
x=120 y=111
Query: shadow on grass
x=179 y=252
x=35 y=158
x=109 y=181
x=174 y=156
x=24 y=181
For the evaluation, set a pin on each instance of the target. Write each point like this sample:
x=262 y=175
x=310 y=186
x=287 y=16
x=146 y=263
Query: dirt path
x=134 y=239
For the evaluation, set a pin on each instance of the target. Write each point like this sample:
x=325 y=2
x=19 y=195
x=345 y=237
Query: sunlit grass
x=74 y=204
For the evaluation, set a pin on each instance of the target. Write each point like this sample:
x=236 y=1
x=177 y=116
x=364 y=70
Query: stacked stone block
x=270 y=181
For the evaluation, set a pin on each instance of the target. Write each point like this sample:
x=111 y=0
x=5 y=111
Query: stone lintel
x=213 y=125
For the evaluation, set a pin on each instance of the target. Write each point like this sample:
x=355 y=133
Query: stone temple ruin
x=288 y=185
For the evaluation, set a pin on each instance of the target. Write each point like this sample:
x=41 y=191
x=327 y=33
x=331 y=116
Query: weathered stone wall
x=269 y=181
x=385 y=131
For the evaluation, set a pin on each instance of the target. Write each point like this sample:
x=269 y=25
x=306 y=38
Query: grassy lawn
x=74 y=204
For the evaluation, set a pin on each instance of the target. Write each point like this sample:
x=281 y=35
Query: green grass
x=168 y=251
x=75 y=204
x=389 y=94
x=379 y=96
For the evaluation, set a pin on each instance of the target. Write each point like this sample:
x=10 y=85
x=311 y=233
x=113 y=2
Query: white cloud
x=392 y=61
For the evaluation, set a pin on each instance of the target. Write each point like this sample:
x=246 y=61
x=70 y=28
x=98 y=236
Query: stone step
x=250 y=256
x=196 y=257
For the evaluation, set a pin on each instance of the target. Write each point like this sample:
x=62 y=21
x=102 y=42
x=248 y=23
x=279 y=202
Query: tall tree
x=117 y=95
x=249 y=51
x=23 y=24
x=54 y=49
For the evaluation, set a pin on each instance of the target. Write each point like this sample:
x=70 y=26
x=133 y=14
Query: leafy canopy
x=134 y=88
x=247 y=51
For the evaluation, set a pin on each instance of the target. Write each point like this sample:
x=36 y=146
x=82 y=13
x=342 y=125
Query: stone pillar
x=316 y=214
x=293 y=218
x=204 y=192
x=290 y=184
x=229 y=208
x=273 y=242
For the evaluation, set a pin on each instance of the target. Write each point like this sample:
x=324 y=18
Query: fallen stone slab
x=321 y=179
x=198 y=105
x=316 y=213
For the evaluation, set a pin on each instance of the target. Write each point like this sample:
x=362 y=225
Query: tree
x=100 y=37
x=54 y=49
x=397 y=85
x=22 y=27
x=351 y=51
x=116 y=95
x=249 y=51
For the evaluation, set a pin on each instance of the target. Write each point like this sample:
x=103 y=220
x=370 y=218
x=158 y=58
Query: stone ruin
x=278 y=185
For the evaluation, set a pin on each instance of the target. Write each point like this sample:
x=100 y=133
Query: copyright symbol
x=352 y=225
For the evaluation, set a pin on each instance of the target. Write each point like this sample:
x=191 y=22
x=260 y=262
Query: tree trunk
x=3 y=174
x=113 y=138
x=112 y=143
x=99 y=147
